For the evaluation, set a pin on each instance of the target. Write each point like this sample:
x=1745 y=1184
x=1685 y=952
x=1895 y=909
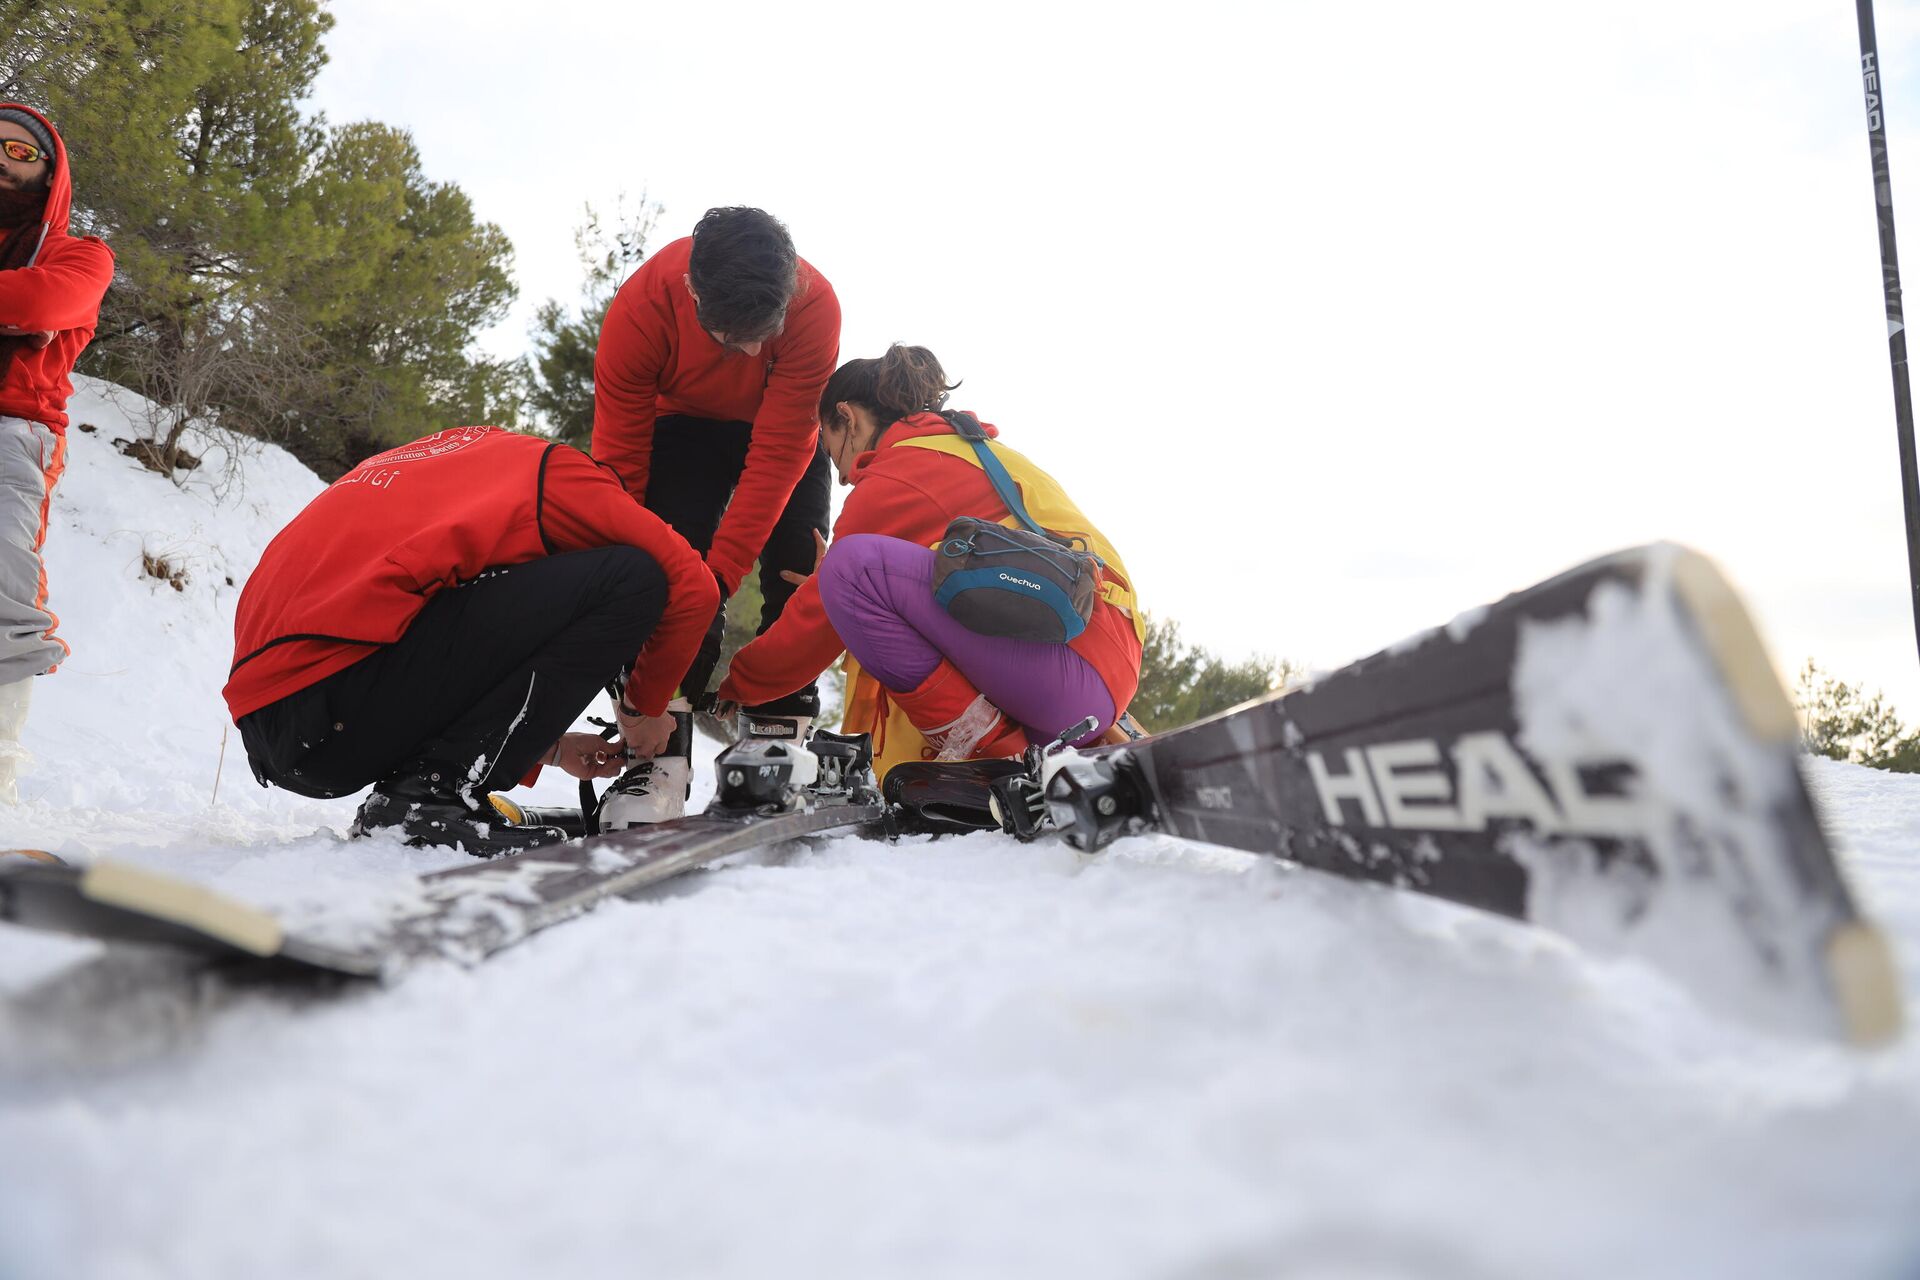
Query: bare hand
x=588 y=755
x=819 y=554
x=645 y=736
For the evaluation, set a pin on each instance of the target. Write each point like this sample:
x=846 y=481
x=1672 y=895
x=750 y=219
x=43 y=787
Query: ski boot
x=427 y=811
x=654 y=790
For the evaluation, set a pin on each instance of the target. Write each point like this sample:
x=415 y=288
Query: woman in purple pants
x=927 y=687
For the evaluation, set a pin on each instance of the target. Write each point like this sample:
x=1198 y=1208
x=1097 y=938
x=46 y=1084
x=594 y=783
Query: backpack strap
x=968 y=428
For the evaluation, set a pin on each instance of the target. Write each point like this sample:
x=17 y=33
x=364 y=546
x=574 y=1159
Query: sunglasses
x=24 y=152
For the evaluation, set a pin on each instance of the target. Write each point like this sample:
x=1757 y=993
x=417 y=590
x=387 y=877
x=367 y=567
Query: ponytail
x=901 y=383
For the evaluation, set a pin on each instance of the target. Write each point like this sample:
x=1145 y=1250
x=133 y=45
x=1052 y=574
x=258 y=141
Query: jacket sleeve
x=583 y=506
x=802 y=642
x=626 y=389
x=62 y=291
x=785 y=432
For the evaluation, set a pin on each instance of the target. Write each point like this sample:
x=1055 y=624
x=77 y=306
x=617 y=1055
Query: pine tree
x=1181 y=683
x=560 y=388
x=300 y=282
x=1845 y=722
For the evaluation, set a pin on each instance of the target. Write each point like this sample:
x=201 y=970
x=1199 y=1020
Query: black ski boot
x=429 y=812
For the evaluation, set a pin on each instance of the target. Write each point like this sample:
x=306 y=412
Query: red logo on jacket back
x=440 y=443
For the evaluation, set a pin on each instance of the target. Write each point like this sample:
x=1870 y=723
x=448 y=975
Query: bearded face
x=23 y=165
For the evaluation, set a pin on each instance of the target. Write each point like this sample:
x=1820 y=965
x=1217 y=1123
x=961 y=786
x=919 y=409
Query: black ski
x=1608 y=754
x=770 y=792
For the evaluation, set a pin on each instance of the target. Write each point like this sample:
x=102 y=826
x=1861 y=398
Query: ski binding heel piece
x=765 y=773
x=1094 y=799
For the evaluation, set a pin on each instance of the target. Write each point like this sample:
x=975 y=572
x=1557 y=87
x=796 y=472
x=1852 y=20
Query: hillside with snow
x=962 y=1057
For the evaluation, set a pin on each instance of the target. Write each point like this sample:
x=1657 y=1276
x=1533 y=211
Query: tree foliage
x=1845 y=722
x=293 y=279
x=1181 y=683
x=560 y=385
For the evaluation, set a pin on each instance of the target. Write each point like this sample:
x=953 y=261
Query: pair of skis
x=1607 y=754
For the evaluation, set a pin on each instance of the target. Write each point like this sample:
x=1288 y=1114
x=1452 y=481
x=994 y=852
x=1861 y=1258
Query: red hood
x=910 y=428
x=59 y=210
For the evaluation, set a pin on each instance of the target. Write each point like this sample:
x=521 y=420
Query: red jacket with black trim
x=654 y=358
x=59 y=291
x=911 y=493
x=353 y=570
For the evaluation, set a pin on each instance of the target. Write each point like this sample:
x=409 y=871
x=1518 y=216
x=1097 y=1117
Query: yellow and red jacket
x=353 y=570
x=59 y=291
x=654 y=357
x=917 y=479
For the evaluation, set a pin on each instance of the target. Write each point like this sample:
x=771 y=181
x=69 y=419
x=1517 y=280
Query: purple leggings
x=878 y=592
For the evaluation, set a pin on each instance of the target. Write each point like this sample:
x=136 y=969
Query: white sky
x=1338 y=318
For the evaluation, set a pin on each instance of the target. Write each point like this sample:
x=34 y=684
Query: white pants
x=32 y=457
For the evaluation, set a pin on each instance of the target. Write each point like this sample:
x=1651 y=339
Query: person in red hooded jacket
x=51 y=284
x=927 y=687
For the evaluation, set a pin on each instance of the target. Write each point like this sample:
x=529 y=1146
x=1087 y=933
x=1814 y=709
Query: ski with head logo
x=1608 y=754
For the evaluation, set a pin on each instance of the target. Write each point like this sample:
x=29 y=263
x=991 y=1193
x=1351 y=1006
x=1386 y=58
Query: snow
x=960 y=1057
x=1624 y=680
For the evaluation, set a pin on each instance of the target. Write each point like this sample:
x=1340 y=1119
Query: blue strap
x=968 y=428
x=1002 y=482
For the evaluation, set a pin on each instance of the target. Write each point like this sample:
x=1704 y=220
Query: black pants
x=483 y=683
x=695 y=465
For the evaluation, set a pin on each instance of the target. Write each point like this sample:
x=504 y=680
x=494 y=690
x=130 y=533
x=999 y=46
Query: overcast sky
x=1338 y=318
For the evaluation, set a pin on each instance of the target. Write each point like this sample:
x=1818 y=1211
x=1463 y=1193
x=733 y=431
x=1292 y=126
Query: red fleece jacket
x=59 y=291
x=353 y=570
x=654 y=358
x=912 y=494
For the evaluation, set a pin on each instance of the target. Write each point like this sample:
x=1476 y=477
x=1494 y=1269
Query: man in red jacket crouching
x=434 y=621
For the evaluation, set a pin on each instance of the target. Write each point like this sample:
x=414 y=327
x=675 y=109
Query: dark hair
x=743 y=268
x=905 y=381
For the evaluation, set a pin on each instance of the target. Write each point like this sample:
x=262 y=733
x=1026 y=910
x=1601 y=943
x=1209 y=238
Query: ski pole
x=1871 y=85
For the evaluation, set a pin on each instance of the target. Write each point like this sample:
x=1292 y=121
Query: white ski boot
x=654 y=790
x=13 y=724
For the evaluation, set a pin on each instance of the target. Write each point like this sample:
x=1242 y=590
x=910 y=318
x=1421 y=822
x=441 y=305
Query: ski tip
x=1867 y=984
x=36 y=855
x=181 y=902
x=1735 y=644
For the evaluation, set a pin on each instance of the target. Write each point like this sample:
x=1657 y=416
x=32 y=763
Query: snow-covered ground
x=956 y=1058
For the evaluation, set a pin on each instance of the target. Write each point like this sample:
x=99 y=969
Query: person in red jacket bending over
x=433 y=622
x=51 y=284
x=705 y=386
x=925 y=686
